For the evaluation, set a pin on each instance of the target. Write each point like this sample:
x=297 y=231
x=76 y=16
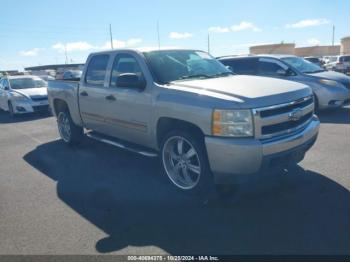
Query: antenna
x=111 y=36
x=208 y=43
x=158 y=35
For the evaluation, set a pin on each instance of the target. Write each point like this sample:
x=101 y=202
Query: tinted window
x=345 y=59
x=242 y=66
x=269 y=68
x=96 y=70
x=124 y=63
x=26 y=83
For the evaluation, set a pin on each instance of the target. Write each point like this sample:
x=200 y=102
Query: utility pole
x=65 y=53
x=333 y=35
x=208 y=42
x=111 y=36
x=158 y=35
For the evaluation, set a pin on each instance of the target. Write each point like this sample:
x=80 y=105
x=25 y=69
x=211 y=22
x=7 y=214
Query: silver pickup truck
x=206 y=125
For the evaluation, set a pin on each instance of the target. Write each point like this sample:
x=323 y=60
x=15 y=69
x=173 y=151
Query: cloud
x=245 y=26
x=121 y=44
x=218 y=29
x=313 y=41
x=133 y=41
x=73 y=46
x=308 y=23
x=176 y=35
x=31 y=52
x=235 y=28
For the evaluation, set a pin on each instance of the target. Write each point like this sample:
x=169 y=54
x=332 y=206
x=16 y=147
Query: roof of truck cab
x=278 y=56
x=23 y=76
x=142 y=50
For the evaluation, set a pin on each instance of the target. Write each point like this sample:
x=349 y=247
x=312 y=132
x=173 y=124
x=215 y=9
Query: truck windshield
x=303 y=65
x=26 y=83
x=180 y=65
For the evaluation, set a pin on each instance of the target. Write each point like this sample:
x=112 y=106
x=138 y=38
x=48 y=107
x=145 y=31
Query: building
x=289 y=48
x=53 y=69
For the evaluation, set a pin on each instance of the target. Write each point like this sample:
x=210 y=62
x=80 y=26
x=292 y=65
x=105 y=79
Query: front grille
x=283 y=119
x=40 y=108
x=38 y=98
x=285 y=109
x=285 y=125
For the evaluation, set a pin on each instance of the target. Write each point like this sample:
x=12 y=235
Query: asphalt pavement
x=96 y=199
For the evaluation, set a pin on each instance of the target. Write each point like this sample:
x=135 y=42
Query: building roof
x=53 y=67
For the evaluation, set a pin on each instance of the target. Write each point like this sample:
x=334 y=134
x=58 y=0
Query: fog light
x=335 y=103
x=20 y=109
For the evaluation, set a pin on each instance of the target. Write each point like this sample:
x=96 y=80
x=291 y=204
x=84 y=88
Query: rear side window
x=242 y=66
x=345 y=59
x=269 y=68
x=96 y=70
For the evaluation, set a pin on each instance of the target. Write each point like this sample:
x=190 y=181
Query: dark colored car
x=331 y=89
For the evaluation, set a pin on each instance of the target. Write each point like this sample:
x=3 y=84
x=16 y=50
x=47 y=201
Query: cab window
x=125 y=63
x=96 y=71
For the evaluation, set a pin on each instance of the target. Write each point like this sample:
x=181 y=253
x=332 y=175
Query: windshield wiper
x=314 y=72
x=222 y=74
x=195 y=76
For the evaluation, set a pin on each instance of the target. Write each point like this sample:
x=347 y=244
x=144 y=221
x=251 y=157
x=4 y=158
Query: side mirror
x=130 y=80
x=229 y=68
x=282 y=72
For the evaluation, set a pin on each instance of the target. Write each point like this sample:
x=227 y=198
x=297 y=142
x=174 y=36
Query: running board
x=120 y=144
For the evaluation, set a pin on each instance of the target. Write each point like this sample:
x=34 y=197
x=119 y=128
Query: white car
x=339 y=64
x=23 y=94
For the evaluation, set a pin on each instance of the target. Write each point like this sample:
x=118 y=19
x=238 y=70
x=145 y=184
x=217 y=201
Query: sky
x=42 y=32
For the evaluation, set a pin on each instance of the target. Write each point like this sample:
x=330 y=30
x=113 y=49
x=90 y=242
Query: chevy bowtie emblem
x=295 y=115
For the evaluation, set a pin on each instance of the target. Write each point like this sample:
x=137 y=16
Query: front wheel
x=69 y=132
x=185 y=162
x=11 y=110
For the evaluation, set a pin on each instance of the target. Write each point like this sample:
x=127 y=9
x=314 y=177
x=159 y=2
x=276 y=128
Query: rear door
x=93 y=91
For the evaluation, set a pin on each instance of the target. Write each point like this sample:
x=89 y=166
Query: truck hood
x=246 y=91
x=331 y=75
x=31 y=92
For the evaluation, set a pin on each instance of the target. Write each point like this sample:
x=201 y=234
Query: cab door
x=92 y=93
x=128 y=110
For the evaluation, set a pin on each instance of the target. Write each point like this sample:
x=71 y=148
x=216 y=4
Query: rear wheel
x=185 y=162
x=69 y=132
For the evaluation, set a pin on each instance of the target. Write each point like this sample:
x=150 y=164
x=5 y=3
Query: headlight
x=232 y=123
x=329 y=82
x=19 y=97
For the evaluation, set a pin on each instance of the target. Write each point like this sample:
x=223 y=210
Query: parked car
x=331 y=89
x=189 y=109
x=46 y=77
x=23 y=94
x=315 y=60
x=72 y=75
x=340 y=64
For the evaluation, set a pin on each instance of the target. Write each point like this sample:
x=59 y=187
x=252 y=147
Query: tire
x=316 y=108
x=11 y=111
x=185 y=163
x=69 y=132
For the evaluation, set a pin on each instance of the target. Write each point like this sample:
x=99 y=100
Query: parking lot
x=96 y=199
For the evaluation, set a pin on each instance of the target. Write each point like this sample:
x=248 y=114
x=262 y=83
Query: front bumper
x=25 y=107
x=237 y=159
x=331 y=97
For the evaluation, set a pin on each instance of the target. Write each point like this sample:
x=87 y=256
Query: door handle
x=84 y=93
x=111 y=98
